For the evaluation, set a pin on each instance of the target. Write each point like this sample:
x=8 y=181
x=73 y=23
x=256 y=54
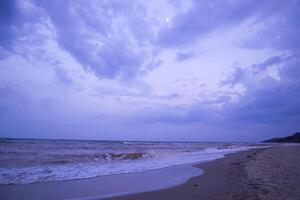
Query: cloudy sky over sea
x=207 y=70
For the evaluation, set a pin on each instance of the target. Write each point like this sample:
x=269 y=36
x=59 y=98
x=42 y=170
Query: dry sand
x=266 y=174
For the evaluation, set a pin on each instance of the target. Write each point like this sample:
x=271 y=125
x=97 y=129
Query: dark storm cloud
x=13 y=19
x=9 y=17
x=271 y=100
x=111 y=44
x=267 y=101
x=109 y=38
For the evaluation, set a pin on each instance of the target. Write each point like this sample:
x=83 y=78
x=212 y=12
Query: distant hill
x=293 y=138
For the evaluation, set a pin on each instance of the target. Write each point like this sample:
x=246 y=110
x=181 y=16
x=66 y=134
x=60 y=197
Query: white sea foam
x=32 y=161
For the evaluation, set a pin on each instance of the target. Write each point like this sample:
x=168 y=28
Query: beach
x=149 y=100
x=271 y=173
x=263 y=173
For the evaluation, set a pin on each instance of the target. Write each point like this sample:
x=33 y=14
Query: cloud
x=181 y=56
x=208 y=16
x=273 y=104
x=270 y=101
x=10 y=16
x=268 y=107
x=238 y=75
x=65 y=63
x=17 y=18
x=280 y=30
x=110 y=38
x=63 y=75
x=267 y=100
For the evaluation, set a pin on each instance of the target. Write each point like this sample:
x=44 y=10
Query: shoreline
x=231 y=177
x=190 y=189
x=108 y=186
x=239 y=175
x=103 y=186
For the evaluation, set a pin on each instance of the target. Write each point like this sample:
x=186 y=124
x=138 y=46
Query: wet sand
x=102 y=186
x=266 y=174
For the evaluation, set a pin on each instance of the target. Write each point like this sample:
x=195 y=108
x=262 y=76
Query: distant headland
x=292 y=138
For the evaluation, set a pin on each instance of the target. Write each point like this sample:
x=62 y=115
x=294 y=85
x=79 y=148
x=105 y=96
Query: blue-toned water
x=32 y=161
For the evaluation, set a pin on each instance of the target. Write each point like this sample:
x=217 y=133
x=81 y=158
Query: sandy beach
x=256 y=174
x=269 y=173
x=149 y=100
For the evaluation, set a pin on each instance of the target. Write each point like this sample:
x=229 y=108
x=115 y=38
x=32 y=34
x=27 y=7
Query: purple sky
x=203 y=70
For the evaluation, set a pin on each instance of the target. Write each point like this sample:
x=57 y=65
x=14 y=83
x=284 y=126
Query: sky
x=202 y=70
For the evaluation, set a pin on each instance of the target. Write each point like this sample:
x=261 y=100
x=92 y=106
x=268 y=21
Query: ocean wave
x=44 y=161
x=5 y=141
x=65 y=159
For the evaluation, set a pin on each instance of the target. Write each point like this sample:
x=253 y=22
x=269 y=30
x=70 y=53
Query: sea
x=25 y=161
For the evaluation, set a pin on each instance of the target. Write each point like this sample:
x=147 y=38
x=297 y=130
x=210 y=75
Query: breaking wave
x=32 y=161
